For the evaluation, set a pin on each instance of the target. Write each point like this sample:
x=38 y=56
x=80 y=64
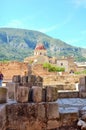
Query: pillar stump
x=3 y=95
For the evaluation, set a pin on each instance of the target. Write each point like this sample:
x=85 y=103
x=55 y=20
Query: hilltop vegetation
x=16 y=44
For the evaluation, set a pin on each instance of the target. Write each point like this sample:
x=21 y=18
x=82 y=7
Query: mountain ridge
x=16 y=44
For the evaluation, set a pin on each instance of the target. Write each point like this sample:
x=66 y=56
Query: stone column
x=24 y=80
x=16 y=79
x=3 y=95
x=51 y=94
x=12 y=89
x=82 y=87
x=22 y=94
x=36 y=94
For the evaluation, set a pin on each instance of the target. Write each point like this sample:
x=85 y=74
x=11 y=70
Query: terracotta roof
x=40 y=47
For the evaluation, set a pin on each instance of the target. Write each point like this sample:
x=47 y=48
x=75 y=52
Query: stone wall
x=36 y=108
x=13 y=68
x=3 y=117
x=32 y=116
x=36 y=116
x=68 y=94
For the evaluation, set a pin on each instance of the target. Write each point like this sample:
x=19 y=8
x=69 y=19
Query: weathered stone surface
x=31 y=78
x=22 y=94
x=83 y=117
x=51 y=94
x=39 y=79
x=39 y=84
x=68 y=94
x=82 y=80
x=12 y=89
x=69 y=86
x=41 y=112
x=53 y=124
x=82 y=88
x=69 y=119
x=82 y=94
x=24 y=80
x=16 y=79
x=37 y=94
x=3 y=95
x=2 y=117
x=52 y=110
x=13 y=68
x=60 y=87
x=36 y=116
x=26 y=116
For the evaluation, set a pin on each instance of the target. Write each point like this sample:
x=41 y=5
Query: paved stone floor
x=71 y=105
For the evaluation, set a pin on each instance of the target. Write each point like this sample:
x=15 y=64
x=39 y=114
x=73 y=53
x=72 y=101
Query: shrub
x=52 y=68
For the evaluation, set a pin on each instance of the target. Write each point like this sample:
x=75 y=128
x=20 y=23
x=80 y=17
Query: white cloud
x=79 y=3
x=15 y=24
x=49 y=29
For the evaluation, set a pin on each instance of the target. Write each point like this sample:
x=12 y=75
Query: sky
x=60 y=19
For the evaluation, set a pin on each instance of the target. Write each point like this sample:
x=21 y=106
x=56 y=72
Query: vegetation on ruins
x=81 y=72
x=53 y=68
x=16 y=44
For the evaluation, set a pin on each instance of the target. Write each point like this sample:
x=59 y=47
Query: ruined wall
x=32 y=116
x=68 y=94
x=3 y=118
x=13 y=68
x=43 y=113
x=36 y=116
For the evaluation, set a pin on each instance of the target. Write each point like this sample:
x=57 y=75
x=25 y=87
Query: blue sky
x=61 y=19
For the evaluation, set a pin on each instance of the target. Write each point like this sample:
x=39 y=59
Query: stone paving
x=69 y=105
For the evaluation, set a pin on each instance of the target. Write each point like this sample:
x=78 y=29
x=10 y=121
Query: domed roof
x=40 y=46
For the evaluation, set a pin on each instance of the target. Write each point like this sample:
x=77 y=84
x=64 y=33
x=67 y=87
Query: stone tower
x=40 y=50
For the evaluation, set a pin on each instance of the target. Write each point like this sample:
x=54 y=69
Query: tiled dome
x=40 y=47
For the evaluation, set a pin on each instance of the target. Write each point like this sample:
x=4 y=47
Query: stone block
x=22 y=94
x=3 y=95
x=82 y=94
x=31 y=78
x=53 y=124
x=82 y=80
x=37 y=94
x=68 y=94
x=39 y=79
x=41 y=112
x=2 y=117
x=69 y=119
x=82 y=88
x=60 y=87
x=12 y=89
x=51 y=94
x=25 y=116
x=24 y=80
x=16 y=79
x=52 y=110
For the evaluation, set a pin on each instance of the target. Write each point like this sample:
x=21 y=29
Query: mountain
x=16 y=44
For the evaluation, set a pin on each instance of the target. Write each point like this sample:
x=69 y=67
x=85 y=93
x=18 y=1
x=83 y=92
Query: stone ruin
x=26 y=105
